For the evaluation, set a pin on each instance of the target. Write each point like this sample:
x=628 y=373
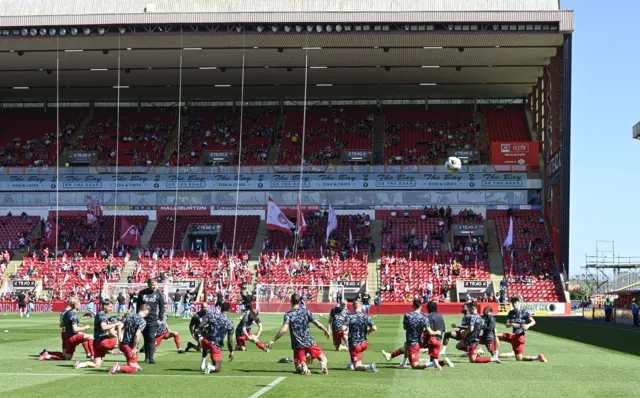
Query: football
x=453 y=164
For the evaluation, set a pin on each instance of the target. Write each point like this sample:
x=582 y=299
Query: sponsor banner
x=554 y=167
x=514 y=207
x=241 y=207
x=545 y=308
x=217 y=157
x=8 y=306
x=80 y=158
x=356 y=156
x=474 y=288
x=186 y=284
x=204 y=229
x=183 y=210
x=265 y=182
x=466 y=229
x=515 y=153
x=466 y=156
x=20 y=284
x=292 y=211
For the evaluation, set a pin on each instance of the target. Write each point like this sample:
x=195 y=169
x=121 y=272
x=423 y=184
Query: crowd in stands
x=327 y=134
x=309 y=271
x=28 y=136
x=203 y=130
x=418 y=136
x=142 y=136
x=15 y=231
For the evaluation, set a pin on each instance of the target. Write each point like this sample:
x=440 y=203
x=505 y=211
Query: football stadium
x=293 y=198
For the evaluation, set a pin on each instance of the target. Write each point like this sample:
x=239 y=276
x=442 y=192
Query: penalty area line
x=267 y=387
x=95 y=374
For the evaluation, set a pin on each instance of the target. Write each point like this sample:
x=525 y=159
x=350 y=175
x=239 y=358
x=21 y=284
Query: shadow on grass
x=614 y=337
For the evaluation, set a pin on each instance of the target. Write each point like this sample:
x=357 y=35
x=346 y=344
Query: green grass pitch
x=584 y=361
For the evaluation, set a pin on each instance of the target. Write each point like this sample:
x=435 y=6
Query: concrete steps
x=148 y=232
x=128 y=269
x=373 y=277
x=378 y=139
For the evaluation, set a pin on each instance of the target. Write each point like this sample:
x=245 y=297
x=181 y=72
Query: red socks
x=396 y=353
x=88 y=347
x=176 y=339
x=128 y=369
x=482 y=360
x=260 y=345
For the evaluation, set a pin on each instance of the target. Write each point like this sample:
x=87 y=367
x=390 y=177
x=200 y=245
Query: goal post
x=275 y=298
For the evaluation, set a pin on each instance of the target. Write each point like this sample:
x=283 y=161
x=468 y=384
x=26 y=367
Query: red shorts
x=216 y=353
x=490 y=344
x=161 y=337
x=300 y=355
x=73 y=342
x=100 y=350
x=337 y=337
x=473 y=350
x=356 y=352
x=241 y=341
x=458 y=336
x=517 y=341
x=413 y=353
x=433 y=344
x=130 y=353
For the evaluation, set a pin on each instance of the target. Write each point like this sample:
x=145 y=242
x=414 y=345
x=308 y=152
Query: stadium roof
x=483 y=51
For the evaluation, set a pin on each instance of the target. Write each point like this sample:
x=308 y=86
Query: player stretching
x=164 y=333
x=520 y=321
x=414 y=324
x=63 y=335
x=435 y=331
x=73 y=335
x=217 y=327
x=194 y=328
x=359 y=325
x=297 y=322
x=472 y=335
x=102 y=338
x=489 y=336
x=337 y=318
x=132 y=334
x=456 y=334
x=243 y=331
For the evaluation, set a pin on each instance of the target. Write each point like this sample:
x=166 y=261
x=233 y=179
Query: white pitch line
x=136 y=376
x=267 y=387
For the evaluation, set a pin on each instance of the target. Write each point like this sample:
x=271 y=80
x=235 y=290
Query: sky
x=605 y=160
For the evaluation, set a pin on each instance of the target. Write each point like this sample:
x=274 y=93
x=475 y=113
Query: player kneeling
x=472 y=335
x=131 y=336
x=73 y=335
x=297 y=322
x=359 y=325
x=216 y=327
x=520 y=320
x=104 y=339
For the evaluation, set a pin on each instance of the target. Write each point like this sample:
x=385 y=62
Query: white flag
x=276 y=219
x=355 y=249
x=332 y=223
x=350 y=238
x=94 y=280
x=509 y=239
x=286 y=252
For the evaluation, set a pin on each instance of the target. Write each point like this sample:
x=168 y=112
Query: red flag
x=302 y=224
x=129 y=234
x=52 y=231
x=127 y=256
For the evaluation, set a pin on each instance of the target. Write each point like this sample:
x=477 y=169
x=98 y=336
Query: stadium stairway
x=171 y=145
x=75 y=137
x=258 y=242
x=148 y=232
x=483 y=142
x=128 y=269
x=378 y=140
x=373 y=277
x=495 y=258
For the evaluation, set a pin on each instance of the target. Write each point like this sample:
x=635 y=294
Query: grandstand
x=184 y=123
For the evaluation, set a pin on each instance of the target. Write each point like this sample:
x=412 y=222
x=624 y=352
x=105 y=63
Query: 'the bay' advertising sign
x=260 y=182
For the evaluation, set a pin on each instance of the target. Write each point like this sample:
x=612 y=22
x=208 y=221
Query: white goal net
x=275 y=298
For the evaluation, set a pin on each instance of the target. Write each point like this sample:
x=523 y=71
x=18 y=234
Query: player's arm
x=511 y=324
x=259 y=331
x=230 y=344
x=321 y=327
x=433 y=332
x=160 y=307
x=330 y=322
x=108 y=326
x=372 y=328
x=284 y=329
x=468 y=331
x=244 y=331
x=530 y=324
x=138 y=337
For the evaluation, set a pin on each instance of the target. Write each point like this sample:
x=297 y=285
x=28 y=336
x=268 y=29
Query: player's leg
x=518 y=349
x=257 y=342
x=413 y=354
x=131 y=355
x=433 y=347
x=473 y=356
x=149 y=334
x=241 y=343
x=511 y=339
x=87 y=344
x=356 y=358
x=216 y=360
x=176 y=338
